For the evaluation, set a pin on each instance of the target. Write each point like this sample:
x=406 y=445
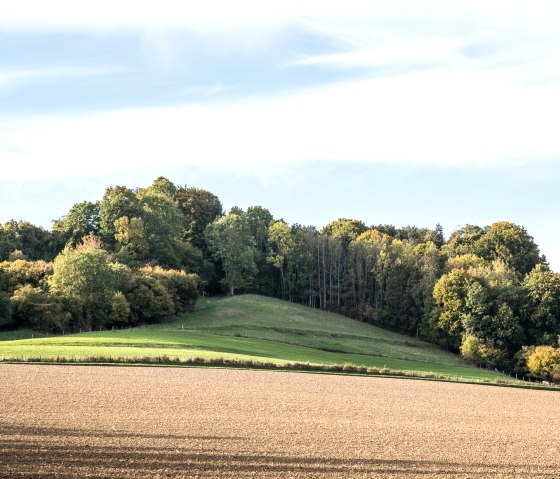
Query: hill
x=253 y=327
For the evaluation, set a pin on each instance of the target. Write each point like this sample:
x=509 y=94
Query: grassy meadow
x=249 y=328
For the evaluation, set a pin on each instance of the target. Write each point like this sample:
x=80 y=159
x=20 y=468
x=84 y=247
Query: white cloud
x=15 y=77
x=474 y=105
x=351 y=19
x=393 y=34
x=437 y=117
x=131 y=14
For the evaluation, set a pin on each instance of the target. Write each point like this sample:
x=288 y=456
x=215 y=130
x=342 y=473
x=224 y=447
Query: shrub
x=480 y=352
x=120 y=310
x=38 y=309
x=156 y=293
x=149 y=300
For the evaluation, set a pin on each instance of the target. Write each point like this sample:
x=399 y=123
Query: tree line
x=139 y=255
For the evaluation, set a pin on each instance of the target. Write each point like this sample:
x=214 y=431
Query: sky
x=404 y=112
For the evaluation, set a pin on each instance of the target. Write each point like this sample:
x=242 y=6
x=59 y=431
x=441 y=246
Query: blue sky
x=403 y=112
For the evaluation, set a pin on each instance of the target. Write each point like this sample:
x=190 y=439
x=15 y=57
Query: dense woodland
x=140 y=255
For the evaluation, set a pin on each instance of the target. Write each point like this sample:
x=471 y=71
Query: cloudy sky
x=402 y=112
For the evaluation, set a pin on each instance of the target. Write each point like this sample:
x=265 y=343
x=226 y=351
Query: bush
x=156 y=293
x=37 y=309
x=149 y=300
x=120 y=310
x=480 y=352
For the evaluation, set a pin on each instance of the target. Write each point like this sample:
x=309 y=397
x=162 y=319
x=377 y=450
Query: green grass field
x=252 y=328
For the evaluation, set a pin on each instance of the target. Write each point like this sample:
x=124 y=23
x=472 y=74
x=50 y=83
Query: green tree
x=182 y=286
x=117 y=202
x=130 y=234
x=463 y=241
x=85 y=275
x=345 y=230
x=298 y=261
x=511 y=244
x=229 y=239
x=162 y=222
x=450 y=295
x=259 y=219
x=119 y=314
x=403 y=302
x=482 y=303
x=480 y=351
x=280 y=243
x=368 y=261
x=35 y=308
x=542 y=305
x=149 y=297
x=163 y=187
x=22 y=272
x=82 y=220
x=199 y=208
x=30 y=241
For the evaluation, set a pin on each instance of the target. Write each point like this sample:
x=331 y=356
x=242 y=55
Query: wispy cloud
x=16 y=77
x=206 y=91
x=446 y=119
x=464 y=94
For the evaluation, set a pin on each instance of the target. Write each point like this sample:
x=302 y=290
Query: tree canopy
x=142 y=254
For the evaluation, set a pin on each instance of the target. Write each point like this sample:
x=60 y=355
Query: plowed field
x=127 y=422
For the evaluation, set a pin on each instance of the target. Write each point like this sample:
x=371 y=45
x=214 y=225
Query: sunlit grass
x=259 y=328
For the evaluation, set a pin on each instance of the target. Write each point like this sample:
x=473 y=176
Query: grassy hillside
x=258 y=328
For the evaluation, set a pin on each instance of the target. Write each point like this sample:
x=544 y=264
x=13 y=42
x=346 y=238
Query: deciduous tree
x=229 y=239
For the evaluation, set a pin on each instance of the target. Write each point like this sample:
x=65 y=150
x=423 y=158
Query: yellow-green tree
x=85 y=276
x=542 y=360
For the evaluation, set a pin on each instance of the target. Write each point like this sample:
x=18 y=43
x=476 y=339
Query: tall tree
x=199 y=208
x=345 y=230
x=280 y=242
x=229 y=239
x=117 y=202
x=259 y=221
x=162 y=221
x=542 y=306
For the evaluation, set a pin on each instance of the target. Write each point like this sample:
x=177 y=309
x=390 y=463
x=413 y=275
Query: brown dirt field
x=136 y=422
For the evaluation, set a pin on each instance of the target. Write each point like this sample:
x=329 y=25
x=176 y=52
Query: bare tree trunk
x=324 y=279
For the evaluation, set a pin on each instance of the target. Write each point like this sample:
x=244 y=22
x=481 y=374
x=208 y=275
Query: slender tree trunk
x=319 y=275
x=324 y=278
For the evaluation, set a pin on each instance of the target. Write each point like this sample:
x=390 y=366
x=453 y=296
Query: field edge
x=222 y=363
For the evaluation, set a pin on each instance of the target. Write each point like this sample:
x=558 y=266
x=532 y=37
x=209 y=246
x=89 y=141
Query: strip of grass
x=256 y=328
x=21 y=334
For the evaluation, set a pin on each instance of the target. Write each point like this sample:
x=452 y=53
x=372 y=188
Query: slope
x=254 y=327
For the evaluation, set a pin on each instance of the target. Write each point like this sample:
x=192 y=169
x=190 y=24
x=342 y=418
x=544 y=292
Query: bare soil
x=137 y=422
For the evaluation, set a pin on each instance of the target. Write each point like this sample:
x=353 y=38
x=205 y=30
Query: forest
x=140 y=255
